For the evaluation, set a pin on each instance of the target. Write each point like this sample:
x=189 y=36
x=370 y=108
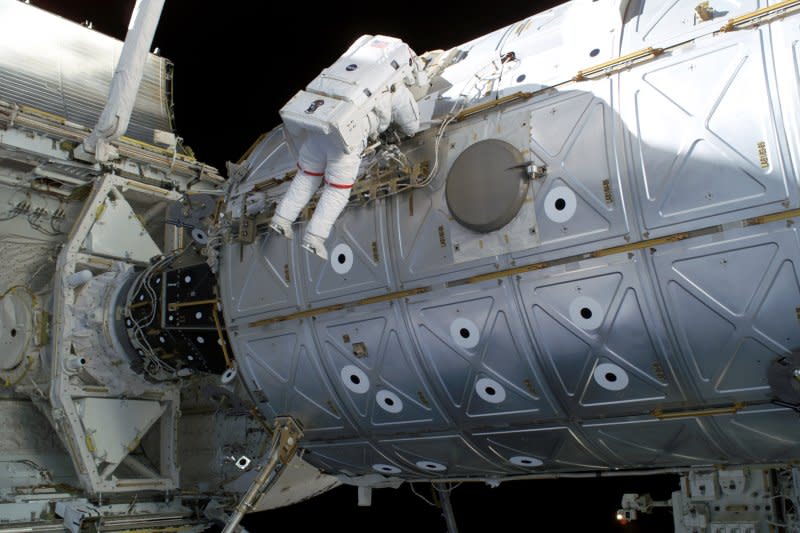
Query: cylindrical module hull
x=625 y=317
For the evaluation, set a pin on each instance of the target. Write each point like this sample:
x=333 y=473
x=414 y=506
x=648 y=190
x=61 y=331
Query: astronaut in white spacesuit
x=333 y=157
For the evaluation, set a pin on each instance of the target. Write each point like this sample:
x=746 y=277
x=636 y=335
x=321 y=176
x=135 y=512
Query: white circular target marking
x=586 y=312
x=199 y=236
x=528 y=462
x=228 y=376
x=386 y=469
x=389 y=401
x=610 y=376
x=489 y=390
x=560 y=204
x=431 y=466
x=464 y=333
x=355 y=379
x=342 y=258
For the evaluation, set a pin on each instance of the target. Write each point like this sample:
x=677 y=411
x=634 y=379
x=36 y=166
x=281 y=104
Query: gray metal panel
x=761 y=434
x=649 y=442
x=57 y=66
x=269 y=158
x=360 y=233
x=559 y=449
x=786 y=51
x=351 y=458
x=420 y=229
x=429 y=243
x=656 y=22
x=599 y=313
x=458 y=456
x=375 y=340
x=472 y=334
x=282 y=366
x=714 y=153
x=733 y=306
x=580 y=201
x=259 y=278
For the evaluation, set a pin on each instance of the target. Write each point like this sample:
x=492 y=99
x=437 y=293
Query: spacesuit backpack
x=338 y=100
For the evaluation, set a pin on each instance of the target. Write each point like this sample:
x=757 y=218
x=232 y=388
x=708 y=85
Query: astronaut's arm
x=405 y=112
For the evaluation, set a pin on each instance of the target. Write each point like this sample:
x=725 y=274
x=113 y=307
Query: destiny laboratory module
x=584 y=263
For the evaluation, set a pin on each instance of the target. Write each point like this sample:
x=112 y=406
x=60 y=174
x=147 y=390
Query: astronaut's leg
x=341 y=174
x=311 y=165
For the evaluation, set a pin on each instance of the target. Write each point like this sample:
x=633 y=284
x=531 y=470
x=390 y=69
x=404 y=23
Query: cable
x=140 y=337
x=449 y=489
x=420 y=496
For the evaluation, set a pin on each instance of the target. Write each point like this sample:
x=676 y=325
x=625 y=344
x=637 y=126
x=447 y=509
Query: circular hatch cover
x=486 y=185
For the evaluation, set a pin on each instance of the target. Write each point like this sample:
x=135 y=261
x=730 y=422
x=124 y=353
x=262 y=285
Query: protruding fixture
x=79 y=278
x=113 y=121
x=284 y=446
x=75 y=363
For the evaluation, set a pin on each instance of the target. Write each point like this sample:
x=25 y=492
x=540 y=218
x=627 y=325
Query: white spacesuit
x=354 y=100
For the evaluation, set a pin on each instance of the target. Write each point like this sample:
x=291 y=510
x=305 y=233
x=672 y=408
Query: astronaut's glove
x=255 y=203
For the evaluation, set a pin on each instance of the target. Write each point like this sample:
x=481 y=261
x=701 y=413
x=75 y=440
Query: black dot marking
x=520 y=78
x=526 y=462
x=611 y=377
x=464 y=332
x=355 y=380
x=388 y=401
x=490 y=391
x=242 y=462
x=341 y=258
x=13 y=332
x=586 y=313
x=594 y=52
x=82 y=361
x=561 y=204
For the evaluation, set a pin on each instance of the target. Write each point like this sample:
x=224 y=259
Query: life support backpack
x=338 y=100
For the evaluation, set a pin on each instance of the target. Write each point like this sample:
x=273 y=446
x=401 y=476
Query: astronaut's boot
x=281 y=226
x=315 y=245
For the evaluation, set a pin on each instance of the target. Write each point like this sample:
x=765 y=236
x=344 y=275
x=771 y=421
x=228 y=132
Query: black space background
x=236 y=64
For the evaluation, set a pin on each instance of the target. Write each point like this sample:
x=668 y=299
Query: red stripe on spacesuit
x=317 y=174
x=338 y=186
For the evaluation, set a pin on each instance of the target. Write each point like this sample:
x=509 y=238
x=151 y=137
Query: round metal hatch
x=486 y=185
x=16 y=325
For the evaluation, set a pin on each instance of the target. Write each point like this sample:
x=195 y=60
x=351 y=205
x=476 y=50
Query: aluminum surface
x=62 y=68
x=624 y=318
